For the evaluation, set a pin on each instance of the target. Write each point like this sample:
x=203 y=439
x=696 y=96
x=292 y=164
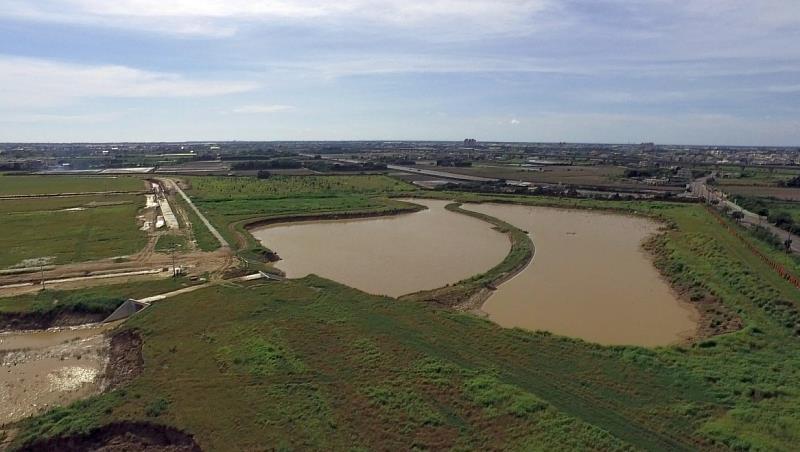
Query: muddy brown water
x=389 y=255
x=590 y=278
x=43 y=369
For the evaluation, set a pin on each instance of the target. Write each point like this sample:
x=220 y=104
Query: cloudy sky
x=669 y=71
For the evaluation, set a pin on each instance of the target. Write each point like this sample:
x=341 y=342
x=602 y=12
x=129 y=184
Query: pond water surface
x=590 y=278
x=393 y=255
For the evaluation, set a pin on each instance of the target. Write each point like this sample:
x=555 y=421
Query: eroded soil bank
x=389 y=255
x=590 y=278
x=122 y=436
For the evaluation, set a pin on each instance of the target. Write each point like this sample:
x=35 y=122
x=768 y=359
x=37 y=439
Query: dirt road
x=172 y=185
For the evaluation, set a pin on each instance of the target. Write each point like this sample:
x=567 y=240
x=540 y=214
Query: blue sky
x=669 y=71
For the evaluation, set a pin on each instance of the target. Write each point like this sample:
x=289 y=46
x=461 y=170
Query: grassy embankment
x=469 y=292
x=43 y=228
x=312 y=364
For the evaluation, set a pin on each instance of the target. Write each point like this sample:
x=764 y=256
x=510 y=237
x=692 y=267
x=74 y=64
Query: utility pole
x=174 y=270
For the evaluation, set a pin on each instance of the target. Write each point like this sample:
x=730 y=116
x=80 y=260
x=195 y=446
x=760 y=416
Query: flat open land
x=41 y=185
x=71 y=229
x=312 y=364
x=228 y=201
x=761 y=191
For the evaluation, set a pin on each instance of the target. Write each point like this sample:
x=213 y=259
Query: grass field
x=169 y=242
x=227 y=201
x=42 y=228
x=755 y=176
x=68 y=229
x=311 y=364
x=39 y=185
x=377 y=373
x=225 y=188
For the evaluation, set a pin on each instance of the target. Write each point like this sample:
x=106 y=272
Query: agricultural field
x=312 y=364
x=229 y=200
x=762 y=191
x=223 y=188
x=41 y=185
x=755 y=176
x=70 y=229
x=759 y=182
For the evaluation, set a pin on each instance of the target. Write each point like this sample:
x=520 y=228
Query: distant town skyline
x=704 y=72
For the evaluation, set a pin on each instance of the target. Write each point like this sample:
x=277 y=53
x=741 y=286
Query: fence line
x=779 y=269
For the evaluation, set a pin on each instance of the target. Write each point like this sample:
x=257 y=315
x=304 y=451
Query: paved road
x=701 y=188
x=443 y=174
x=200 y=215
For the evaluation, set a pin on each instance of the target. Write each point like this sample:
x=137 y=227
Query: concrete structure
x=166 y=211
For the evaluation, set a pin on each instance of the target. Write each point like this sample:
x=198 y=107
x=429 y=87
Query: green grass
x=373 y=372
x=39 y=185
x=769 y=206
x=230 y=202
x=226 y=188
x=169 y=242
x=202 y=236
x=312 y=364
x=38 y=228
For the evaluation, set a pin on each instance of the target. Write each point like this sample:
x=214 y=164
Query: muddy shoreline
x=12 y=322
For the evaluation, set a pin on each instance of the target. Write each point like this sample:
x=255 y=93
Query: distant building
x=683 y=175
x=470 y=142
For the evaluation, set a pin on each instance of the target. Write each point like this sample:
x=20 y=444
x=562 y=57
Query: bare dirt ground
x=43 y=369
x=100 y=272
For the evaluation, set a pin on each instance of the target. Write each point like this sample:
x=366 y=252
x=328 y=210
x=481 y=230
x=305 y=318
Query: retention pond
x=590 y=278
x=393 y=255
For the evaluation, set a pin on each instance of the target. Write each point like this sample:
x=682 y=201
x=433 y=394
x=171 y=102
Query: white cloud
x=49 y=118
x=262 y=109
x=514 y=122
x=29 y=82
x=215 y=17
